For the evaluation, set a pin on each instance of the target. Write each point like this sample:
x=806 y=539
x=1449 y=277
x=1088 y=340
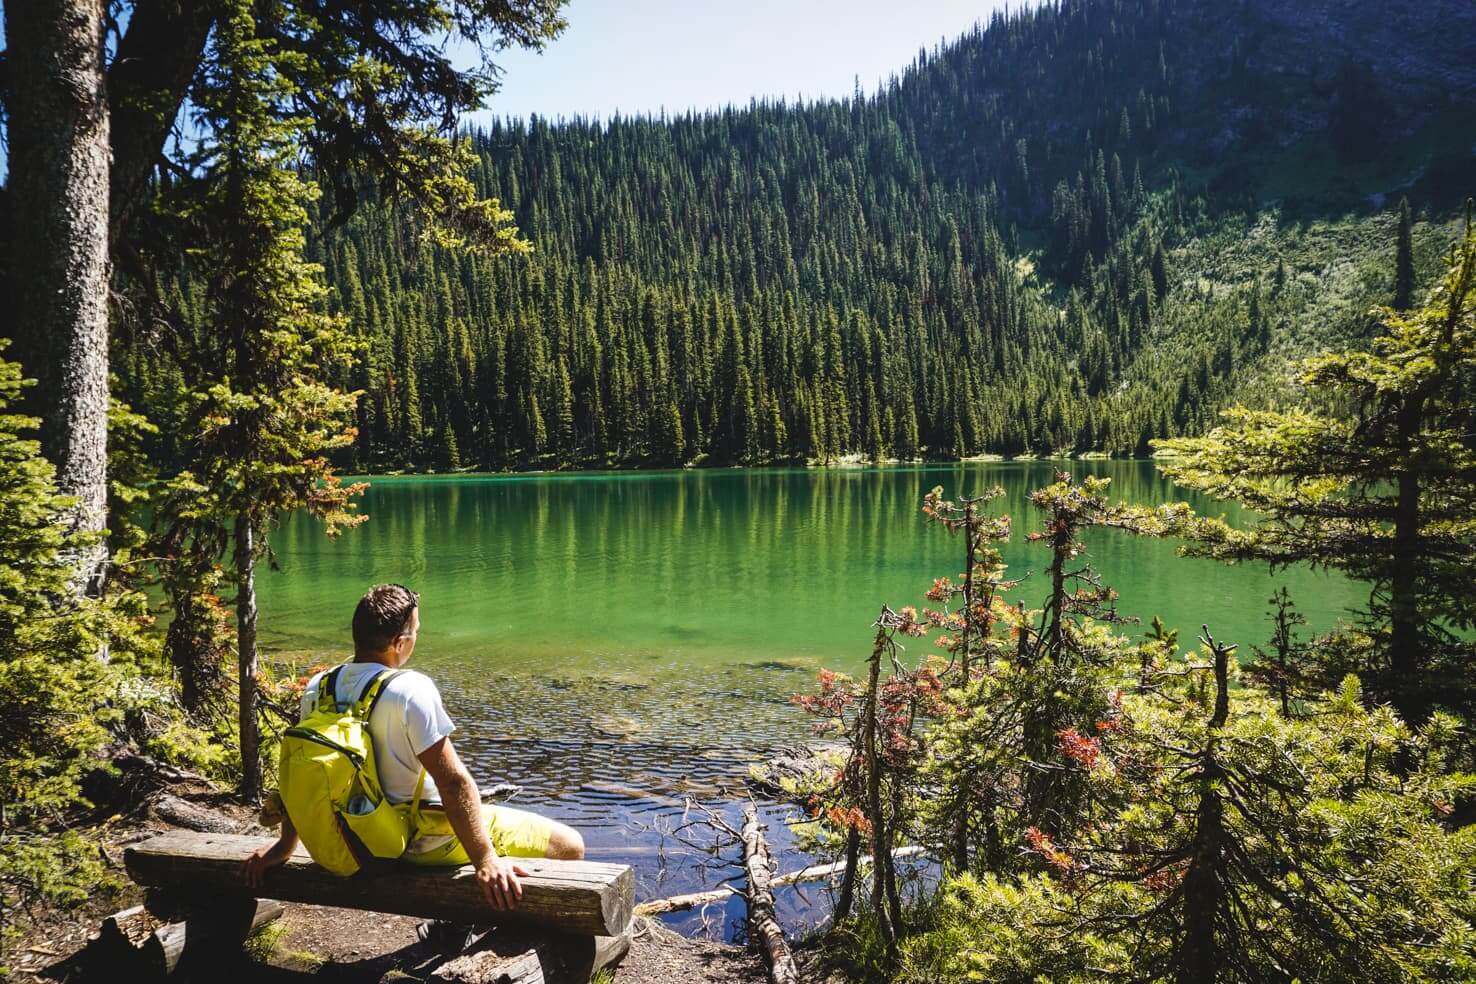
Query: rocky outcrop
x=1280 y=64
x=1417 y=49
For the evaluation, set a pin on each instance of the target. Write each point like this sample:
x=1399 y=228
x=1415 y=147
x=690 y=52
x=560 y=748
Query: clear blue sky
x=638 y=56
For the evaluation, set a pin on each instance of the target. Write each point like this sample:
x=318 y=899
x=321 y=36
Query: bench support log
x=211 y=928
x=222 y=925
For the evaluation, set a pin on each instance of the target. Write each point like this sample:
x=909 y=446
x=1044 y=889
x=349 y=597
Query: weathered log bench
x=574 y=917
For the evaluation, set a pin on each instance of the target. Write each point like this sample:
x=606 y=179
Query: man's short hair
x=382 y=616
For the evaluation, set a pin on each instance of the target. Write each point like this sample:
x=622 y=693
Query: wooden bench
x=574 y=917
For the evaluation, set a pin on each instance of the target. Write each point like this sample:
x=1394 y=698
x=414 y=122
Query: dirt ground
x=310 y=943
x=313 y=944
x=341 y=945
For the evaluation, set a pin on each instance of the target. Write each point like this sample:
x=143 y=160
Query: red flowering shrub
x=1078 y=748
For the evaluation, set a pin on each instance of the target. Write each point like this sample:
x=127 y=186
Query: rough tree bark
x=848 y=879
x=246 y=658
x=58 y=267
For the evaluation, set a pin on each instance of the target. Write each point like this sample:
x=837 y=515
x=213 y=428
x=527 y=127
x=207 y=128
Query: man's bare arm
x=263 y=859
x=497 y=876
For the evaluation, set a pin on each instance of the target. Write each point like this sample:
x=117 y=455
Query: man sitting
x=411 y=731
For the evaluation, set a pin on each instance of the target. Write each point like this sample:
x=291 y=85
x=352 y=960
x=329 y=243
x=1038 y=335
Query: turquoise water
x=631 y=572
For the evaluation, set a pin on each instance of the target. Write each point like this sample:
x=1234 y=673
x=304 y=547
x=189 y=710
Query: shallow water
x=613 y=643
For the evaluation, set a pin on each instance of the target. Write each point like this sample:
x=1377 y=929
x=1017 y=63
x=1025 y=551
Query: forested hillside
x=1077 y=228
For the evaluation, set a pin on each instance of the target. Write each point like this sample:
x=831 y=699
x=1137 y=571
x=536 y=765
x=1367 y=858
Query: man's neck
x=386 y=658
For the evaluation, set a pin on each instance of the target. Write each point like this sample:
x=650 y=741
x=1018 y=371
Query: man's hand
x=498 y=878
x=264 y=859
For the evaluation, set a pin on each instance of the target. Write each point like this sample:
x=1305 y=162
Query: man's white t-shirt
x=408 y=719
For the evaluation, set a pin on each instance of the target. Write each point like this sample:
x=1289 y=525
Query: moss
x=262 y=944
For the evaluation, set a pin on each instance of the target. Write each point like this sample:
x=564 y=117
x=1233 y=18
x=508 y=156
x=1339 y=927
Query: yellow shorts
x=515 y=834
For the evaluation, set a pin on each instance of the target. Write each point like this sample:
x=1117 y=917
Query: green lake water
x=611 y=642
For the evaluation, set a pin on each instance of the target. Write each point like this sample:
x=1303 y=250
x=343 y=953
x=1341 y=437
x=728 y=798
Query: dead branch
x=815 y=872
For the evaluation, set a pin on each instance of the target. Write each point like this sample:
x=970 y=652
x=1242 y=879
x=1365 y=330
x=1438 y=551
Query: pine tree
x=52 y=691
x=563 y=410
x=1404 y=275
x=1385 y=493
x=266 y=424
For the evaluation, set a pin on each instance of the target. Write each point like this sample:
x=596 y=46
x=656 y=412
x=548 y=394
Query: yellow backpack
x=330 y=784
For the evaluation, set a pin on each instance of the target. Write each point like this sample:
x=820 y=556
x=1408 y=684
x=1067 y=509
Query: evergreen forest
x=982 y=256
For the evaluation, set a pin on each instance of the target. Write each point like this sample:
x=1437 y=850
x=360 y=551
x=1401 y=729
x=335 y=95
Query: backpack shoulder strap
x=373 y=690
x=328 y=689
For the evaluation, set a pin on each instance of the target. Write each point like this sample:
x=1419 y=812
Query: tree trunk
x=1405 y=644
x=848 y=879
x=58 y=238
x=1197 y=956
x=880 y=843
x=1055 y=630
x=1197 y=960
x=961 y=820
x=246 y=658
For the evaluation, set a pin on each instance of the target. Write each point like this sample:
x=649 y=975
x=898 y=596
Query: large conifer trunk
x=58 y=242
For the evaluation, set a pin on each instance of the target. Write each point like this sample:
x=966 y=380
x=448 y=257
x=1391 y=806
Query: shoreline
x=846 y=463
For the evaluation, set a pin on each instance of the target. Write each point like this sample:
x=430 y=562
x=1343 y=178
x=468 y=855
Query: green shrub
x=54 y=708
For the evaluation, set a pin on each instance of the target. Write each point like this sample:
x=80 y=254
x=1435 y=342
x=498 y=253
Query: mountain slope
x=1080 y=227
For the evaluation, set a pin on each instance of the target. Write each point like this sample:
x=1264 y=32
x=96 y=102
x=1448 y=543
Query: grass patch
x=262 y=944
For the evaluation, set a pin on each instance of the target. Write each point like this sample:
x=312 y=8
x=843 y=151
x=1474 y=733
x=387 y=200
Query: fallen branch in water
x=763 y=925
x=815 y=872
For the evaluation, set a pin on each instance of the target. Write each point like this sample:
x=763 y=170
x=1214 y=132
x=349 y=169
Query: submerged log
x=572 y=896
x=763 y=924
x=529 y=957
x=815 y=872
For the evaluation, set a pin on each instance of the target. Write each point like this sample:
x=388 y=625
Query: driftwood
x=521 y=957
x=571 y=896
x=125 y=780
x=183 y=813
x=159 y=773
x=763 y=924
x=131 y=951
x=815 y=872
